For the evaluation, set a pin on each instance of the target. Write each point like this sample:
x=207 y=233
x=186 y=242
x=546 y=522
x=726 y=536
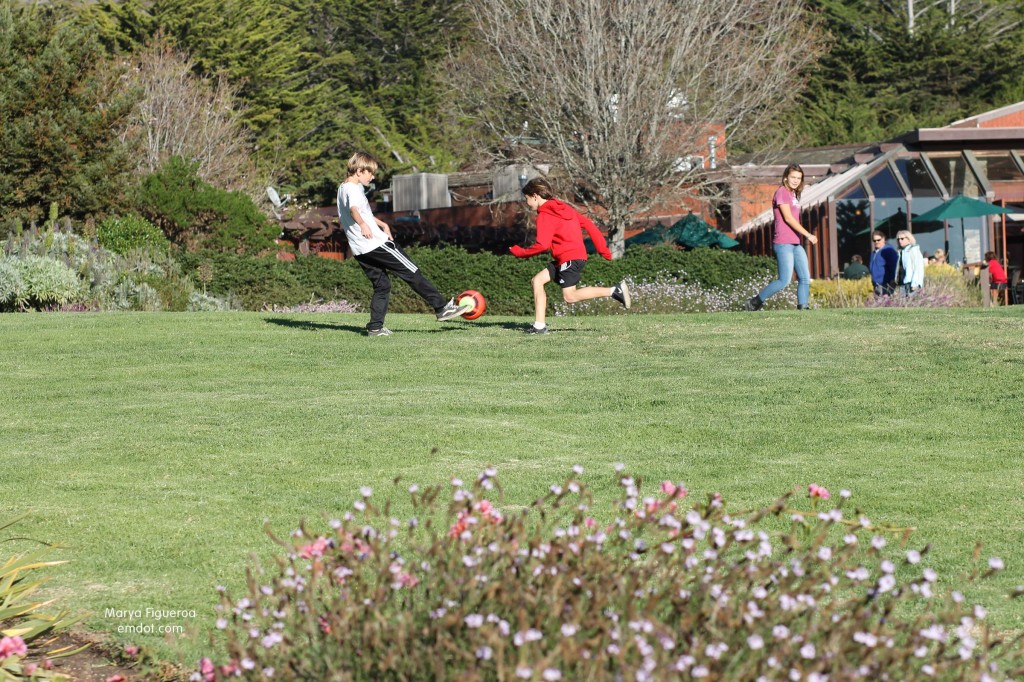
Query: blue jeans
x=790 y=257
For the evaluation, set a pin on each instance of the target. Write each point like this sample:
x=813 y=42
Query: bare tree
x=620 y=92
x=181 y=114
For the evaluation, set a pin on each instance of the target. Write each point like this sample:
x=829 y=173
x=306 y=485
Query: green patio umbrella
x=960 y=207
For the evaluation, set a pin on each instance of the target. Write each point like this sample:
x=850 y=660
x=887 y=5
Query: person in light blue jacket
x=910 y=273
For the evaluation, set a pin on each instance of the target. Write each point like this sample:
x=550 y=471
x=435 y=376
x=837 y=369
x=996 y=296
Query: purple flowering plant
x=662 y=587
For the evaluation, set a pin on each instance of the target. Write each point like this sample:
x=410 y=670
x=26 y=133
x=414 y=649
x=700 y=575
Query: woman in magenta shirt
x=789 y=252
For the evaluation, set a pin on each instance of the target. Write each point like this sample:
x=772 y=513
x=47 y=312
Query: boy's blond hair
x=361 y=161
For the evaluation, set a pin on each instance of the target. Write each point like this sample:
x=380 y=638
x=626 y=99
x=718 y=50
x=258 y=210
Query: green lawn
x=154 y=445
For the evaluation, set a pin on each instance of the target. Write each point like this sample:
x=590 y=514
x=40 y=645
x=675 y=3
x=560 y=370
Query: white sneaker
x=383 y=331
x=451 y=310
x=621 y=294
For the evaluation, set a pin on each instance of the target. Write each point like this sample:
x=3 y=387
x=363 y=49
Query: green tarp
x=690 y=232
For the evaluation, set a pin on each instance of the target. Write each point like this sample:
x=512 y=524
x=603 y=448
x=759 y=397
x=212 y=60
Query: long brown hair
x=785 y=174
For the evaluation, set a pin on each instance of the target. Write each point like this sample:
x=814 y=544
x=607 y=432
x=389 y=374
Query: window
x=999 y=167
x=955 y=174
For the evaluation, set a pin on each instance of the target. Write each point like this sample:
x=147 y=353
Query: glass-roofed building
x=852 y=190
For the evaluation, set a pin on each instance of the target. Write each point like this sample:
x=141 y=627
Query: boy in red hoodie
x=560 y=230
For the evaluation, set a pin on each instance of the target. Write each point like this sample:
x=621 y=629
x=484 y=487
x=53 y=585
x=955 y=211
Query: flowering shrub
x=670 y=294
x=316 y=307
x=842 y=293
x=54 y=270
x=660 y=589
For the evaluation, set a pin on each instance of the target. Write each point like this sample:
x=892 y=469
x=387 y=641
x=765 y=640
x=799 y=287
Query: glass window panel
x=853 y=228
x=890 y=216
x=999 y=167
x=917 y=178
x=932 y=235
x=955 y=174
x=883 y=184
x=856 y=192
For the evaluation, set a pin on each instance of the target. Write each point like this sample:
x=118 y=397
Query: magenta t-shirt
x=784 y=234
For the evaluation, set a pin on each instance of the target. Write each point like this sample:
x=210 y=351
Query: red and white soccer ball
x=476 y=299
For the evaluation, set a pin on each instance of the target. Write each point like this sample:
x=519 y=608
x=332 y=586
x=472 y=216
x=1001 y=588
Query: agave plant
x=23 y=618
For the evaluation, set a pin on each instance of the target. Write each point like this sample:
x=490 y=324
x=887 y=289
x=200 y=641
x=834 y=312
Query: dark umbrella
x=960 y=207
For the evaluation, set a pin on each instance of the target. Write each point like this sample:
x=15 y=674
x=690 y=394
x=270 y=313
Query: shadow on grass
x=313 y=326
x=306 y=325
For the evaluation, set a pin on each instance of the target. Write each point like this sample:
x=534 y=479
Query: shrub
x=49 y=282
x=137 y=280
x=504 y=280
x=944 y=287
x=22 y=620
x=797 y=590
x=12 y=289
x=668 y=295
x=122 y=234
x=196 y=216
x=842 y=293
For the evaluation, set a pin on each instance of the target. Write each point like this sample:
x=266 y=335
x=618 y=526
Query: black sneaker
x=621 y=294
x=753 y=304
x=383 y=331
x=451 y=310
x=533 y=330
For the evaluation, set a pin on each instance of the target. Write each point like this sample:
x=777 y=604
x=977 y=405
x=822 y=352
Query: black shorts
x=568 y=274
x=997 y=286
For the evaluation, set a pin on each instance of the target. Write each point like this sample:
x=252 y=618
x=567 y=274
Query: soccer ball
x=476 y=299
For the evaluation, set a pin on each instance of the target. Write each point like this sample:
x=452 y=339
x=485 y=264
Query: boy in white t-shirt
x=373 y=246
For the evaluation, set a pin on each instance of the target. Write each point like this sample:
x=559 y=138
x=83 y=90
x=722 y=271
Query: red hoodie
x=559 y=229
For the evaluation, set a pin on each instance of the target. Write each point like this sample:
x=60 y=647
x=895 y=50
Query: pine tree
x=62 y=105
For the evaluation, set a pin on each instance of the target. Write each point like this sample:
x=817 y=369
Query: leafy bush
x=137 y=280
x=48 y=282
x=12 y=289
x=793 y=591
x=196 y=216
x=504 y=280
x=842 y=293
x=21 y=619
x=122 y=234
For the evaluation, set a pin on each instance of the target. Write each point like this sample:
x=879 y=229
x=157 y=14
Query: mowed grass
x=154 y=446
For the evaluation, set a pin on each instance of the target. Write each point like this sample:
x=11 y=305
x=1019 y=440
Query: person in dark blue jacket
x=883 y=264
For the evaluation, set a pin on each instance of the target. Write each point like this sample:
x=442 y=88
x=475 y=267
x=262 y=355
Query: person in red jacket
x=560 y=230
x=996 y=277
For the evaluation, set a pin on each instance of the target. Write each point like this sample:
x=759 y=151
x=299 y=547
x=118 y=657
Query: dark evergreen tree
x=880 y=77
x=62 y=105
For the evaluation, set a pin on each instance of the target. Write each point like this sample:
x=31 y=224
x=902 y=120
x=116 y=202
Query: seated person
x=856 y=269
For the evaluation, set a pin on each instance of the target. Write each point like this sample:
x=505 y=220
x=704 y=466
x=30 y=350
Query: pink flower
x=116 y=678
x=29 y=669
x=815 y=490
x=669 y=488
x=207 y=670
x=131 y=650
x=315 y=548
x=408 y=580
x=589 y=522
x=12 y=646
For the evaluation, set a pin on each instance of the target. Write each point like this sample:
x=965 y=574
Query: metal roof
x=812 y=196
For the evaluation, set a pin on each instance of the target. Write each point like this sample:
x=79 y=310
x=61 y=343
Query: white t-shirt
x=351 y=194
